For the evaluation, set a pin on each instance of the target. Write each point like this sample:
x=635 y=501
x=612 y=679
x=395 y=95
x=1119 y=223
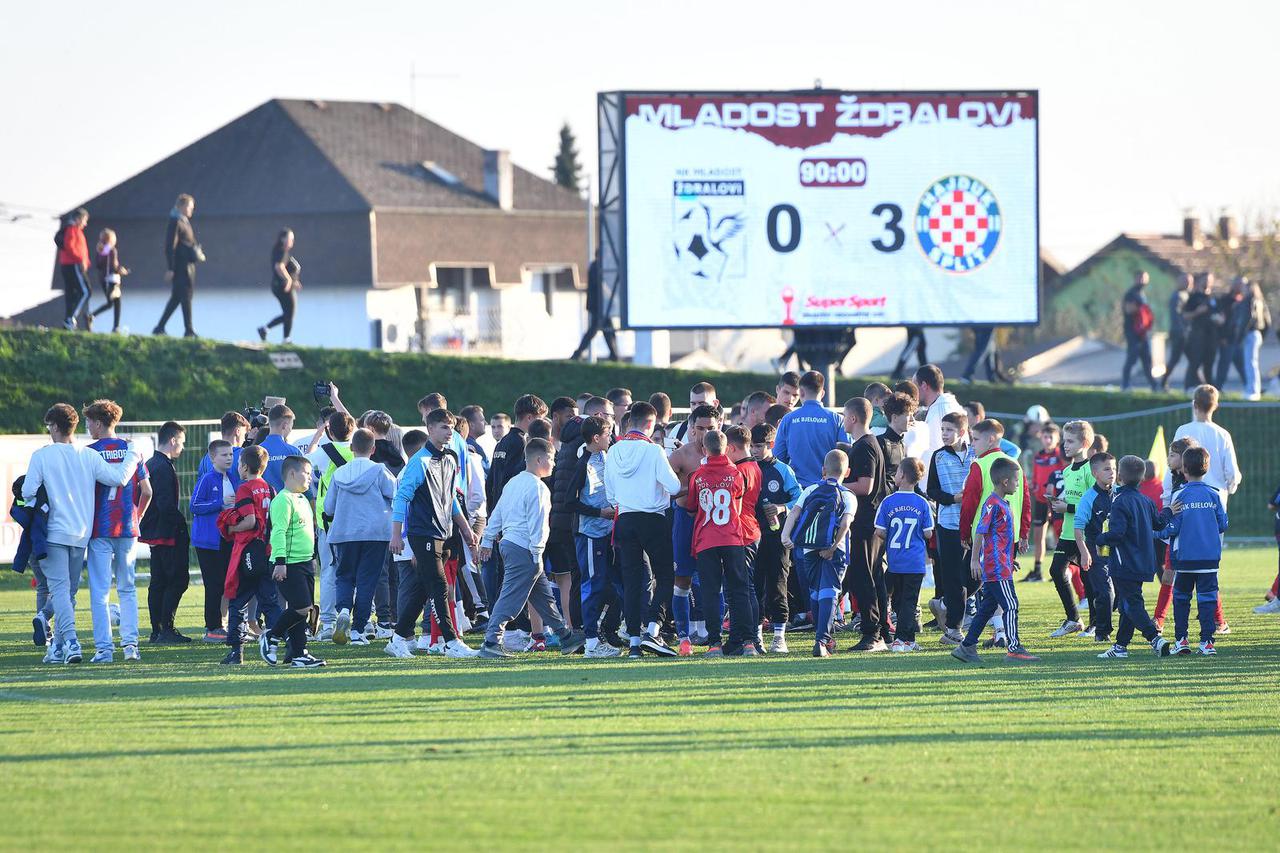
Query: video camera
x=256 y=416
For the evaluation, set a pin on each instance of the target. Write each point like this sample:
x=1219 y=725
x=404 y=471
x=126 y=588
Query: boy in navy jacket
x=1130 y=535
x=1196 y=537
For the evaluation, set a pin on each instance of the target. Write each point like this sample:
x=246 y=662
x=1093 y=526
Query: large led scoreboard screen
x=773 y=209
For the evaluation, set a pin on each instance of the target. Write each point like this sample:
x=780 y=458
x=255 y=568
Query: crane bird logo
x=701 y=238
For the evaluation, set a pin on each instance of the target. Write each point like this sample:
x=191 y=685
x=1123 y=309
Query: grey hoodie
x=359 y=501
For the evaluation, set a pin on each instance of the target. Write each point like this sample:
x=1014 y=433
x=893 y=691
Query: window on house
x=547 y=281
x=455 y=286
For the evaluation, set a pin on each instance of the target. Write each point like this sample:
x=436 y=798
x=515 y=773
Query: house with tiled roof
x=409 y=235
x=1086 y=300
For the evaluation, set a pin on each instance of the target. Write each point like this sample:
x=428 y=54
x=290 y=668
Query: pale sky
x=1147 y=108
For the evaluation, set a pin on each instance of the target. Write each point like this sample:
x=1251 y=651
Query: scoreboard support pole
x=823 y=349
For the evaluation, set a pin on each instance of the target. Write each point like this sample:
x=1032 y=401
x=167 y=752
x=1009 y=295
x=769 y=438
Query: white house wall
x=398 y=311
x=529 y=332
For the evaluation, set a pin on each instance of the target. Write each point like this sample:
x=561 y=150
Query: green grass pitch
x=543 y=753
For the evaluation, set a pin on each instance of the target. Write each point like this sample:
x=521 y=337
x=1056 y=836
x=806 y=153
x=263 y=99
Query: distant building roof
x=380 y=149
x=1177 y=254
x=301 y=157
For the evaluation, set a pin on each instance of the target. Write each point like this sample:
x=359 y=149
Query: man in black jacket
x=181 y=254
x=561 y=554
x=164 y=528
x=597 y=315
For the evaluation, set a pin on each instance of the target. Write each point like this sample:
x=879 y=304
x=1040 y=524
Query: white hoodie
x=638 y=477
x=69 y=473
x=944 y=405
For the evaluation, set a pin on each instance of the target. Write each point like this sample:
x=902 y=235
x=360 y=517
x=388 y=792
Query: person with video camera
x=285 y=285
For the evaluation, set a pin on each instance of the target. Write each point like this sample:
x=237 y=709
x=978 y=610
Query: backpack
x=1143 y=319
x=819 y=517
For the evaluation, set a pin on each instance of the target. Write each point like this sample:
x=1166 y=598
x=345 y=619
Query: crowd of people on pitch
x=182 y=254
x=599 y=525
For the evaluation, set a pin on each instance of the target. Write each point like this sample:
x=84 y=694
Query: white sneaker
x=359 y=640
x=71 y=652
x=131 y=653
x=459 y=649
x=1272 y=606
x=779 y=645
x=342 y=628
x=325 y=635
x=911 y=647
x=423 y=643
x=1115 y=652
x=381 y=633
x=1067 y=628
x=515 y=640
x=54 y=654
x=398 y=647
x=898 y=646
x=104 y=656
x=602 y=650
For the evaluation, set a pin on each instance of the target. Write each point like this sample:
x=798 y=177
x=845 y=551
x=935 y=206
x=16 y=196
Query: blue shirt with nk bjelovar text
x=907 y=520
x=804 y=438
x=277 y=451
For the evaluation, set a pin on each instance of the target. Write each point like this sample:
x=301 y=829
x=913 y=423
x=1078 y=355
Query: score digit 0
x=833 y=172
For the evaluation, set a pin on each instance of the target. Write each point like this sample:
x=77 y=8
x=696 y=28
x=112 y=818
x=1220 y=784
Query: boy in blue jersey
x=779 y=491
x=277 y=445
x=903 y=523
x=114 y=538
x=822 y=540
x=992 y=563
x=1090 y=518
x=1196 y=537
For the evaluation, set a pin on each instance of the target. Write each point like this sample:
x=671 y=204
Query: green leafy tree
x=566 y=168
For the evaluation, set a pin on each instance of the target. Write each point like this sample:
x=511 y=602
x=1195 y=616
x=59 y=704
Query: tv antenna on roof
x=413 y=101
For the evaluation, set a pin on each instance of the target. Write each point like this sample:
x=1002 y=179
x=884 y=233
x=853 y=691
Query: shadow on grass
x=590 y=745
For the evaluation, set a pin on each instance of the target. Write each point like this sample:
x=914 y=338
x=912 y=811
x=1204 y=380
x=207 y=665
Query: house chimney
x=498 y=178
x=1191 y=233
x=1229 y=230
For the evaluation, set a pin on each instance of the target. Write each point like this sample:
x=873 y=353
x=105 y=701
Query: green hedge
x=159 y=378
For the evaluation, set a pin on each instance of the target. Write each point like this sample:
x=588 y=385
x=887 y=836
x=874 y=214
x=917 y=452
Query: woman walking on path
x=285 y=285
